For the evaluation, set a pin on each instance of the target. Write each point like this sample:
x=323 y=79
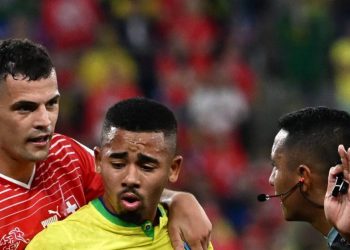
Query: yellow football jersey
x=94 y=227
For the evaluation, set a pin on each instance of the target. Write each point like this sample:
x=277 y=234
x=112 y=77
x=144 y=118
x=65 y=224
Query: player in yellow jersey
x=137 y=158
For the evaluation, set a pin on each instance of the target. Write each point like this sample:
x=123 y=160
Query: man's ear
x=304 y=173
x=97 y=153
x=175 y=168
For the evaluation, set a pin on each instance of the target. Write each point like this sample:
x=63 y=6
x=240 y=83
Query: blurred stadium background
x=228 y=68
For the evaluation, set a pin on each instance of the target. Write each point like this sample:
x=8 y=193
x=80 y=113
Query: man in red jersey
x=45 y=176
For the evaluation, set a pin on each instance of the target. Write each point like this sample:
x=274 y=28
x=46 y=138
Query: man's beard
x=134 y=217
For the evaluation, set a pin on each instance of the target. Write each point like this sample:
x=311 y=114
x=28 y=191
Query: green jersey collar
x=147 y=226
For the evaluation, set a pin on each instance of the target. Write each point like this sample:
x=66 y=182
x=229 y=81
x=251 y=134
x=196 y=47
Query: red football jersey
x=60 y=185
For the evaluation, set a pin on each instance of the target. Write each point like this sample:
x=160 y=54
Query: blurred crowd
x=228 y=68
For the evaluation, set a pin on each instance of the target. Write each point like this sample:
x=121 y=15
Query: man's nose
x=132 y=176
x=42 y=118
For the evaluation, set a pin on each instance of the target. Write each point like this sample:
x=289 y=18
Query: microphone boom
x=265 y=197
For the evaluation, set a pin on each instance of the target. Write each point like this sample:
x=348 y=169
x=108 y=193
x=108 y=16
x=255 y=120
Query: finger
x=205 y=244
x=179 y=247
x=333 y=172
x=346 y=168
x=177 y=244
x=196 y=246
x=200 y=243
x=343 y=155
x=341 y=150
x=345 y=159
x=176 y=240
x=206 y=241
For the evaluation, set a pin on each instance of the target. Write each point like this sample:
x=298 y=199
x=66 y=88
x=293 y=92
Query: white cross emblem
x=71 y=208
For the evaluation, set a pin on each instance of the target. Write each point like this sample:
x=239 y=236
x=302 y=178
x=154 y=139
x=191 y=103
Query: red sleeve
x=92 y=181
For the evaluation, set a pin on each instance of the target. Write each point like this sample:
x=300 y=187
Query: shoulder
x=336 y=241
x=62 y=234
x=60 y=141
x=63 y=146
x=66 y=148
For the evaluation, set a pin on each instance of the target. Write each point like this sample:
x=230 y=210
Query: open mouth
x=130 y=197
x=130 y=201
x=40 y=139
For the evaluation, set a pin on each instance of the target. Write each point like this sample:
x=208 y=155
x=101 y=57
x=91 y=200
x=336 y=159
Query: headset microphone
x=265 y=197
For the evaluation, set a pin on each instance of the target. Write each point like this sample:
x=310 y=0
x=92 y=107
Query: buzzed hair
x=314 y=134
x=24 y=57
x=141 y=114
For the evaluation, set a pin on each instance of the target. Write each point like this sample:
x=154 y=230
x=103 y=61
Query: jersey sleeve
x=43 y=242
x=92 y=181
x=53 y=237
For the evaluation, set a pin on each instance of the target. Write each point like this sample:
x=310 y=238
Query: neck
x=321 y=224
x=20 y=171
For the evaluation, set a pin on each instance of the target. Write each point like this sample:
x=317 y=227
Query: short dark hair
x=140 y=114
x=314 y=134
x=24 y=57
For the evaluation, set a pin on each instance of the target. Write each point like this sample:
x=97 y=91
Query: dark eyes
x=25 y=107
x=117 y=165
x=52 y=103
x=147 y=168
x=144 y=167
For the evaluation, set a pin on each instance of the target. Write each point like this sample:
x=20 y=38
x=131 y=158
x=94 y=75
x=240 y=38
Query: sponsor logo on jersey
x=54 y=218
x=55 y=212
x=48 y=221
x=70 y=206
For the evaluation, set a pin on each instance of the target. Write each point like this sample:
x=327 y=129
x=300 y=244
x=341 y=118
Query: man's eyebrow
x=116 y=155
x=24 y=103
x=54 y=98
x=145 y=158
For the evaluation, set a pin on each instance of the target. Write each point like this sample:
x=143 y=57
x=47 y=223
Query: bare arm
x=187 y=220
